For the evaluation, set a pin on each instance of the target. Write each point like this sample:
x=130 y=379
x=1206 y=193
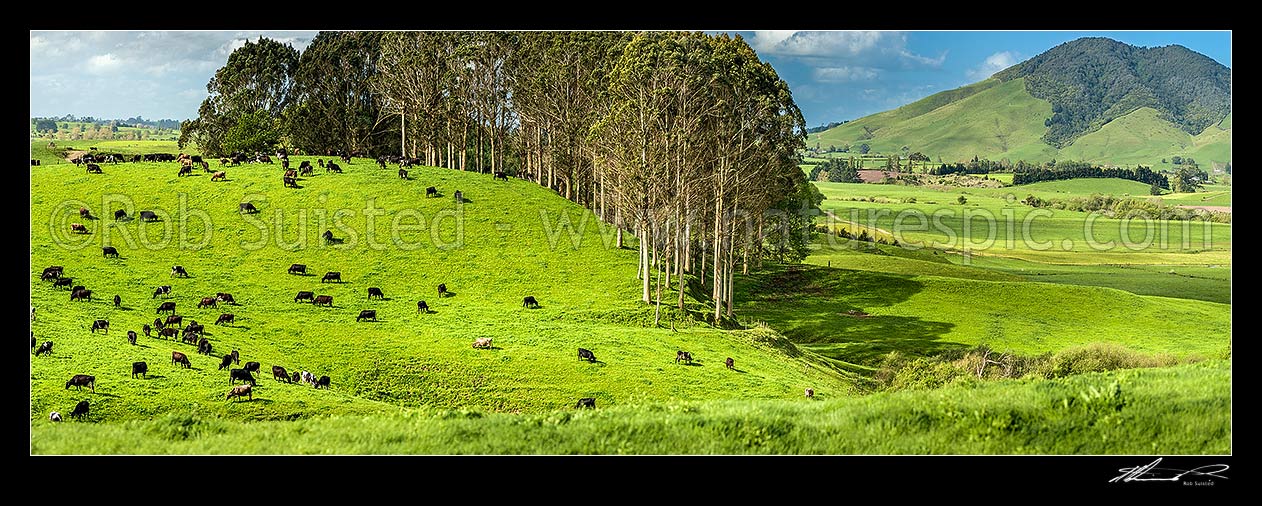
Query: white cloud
x=103 y=64
x=845 y=74
x=993 y=63
x=872 y=49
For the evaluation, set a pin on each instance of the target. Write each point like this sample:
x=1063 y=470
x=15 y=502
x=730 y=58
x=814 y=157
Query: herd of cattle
x=193 y=333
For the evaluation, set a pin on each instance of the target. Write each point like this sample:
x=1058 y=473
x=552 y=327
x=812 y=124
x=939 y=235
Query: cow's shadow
x=429 y=312
x=448 y=294
x=109 y=395
x=742 y=371
x=242 y=327
x=126 y=308
x=464 y=200
x=695 y=363
x=156 y=376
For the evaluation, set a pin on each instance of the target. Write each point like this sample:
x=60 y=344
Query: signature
x=1151 y=472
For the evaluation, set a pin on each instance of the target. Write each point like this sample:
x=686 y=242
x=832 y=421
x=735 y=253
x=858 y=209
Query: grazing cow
x=118 y=301
x=291 y=173
x=218 y=176
x=332 y=167
x=194 y=327
x=422 y=307
x=166 y=306
x=223 y=161
x=131 y=337
x=208 y=302
x=225 y=318
x=52 y=272
x=403 y=173
x=501 y=175
x=190 y=337
x=180 y=358
x=169 y=332
x=308 y=378
x=304 y=296
x=204 y=347
x=236 y=357
x=225 y=298
x=54 y=417
x=280 y=374
x=328 y=237
x=179 y=271
x=586 y=354
x=290 y=182
x=242 y=390
x=85 y=213
x=45 y=348
x=101 y=325
x=264 y=159
x=320 y=162
x=306 y=164
x=372 y=290
x=442 y=290
x=174 y=319
x=530 y=302
x=367 y=314
x=225 y=362
x=297 y=376
x=810 y=393
x=148 y=216
x=33 y=340
x=297 y=269
x=332 y=276
x=186 y=170
x=586 y=402
x=140 y=368
x=78 y=227
x=157 y=323
x=240 y=374
x=161 y=290
x=482 y=342
x=252 y=367
x=306 y=171
x=120 y=215
x=147 y=330
x=247 y=207
x=80 y=293
x=80 y=409
x=34 y=162
x=731 y=364
x=323 y=382
x=323 y=300
x=82 y=380
x=94 y=169
x=683 y=355
x=109 y=251
x=459 y=197
x=66 y=282
x=431 y=191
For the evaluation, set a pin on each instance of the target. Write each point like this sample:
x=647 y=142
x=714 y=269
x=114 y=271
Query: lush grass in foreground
x=1183 y=410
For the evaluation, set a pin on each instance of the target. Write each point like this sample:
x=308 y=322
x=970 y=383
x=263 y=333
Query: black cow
x=240 y=374
x=169 y=332
x=332 y=276
x=166 y=306
x=101 y=325
x=729 y=363
x=586 y=354
x=290 y=182
x=208 y=302
x=80 y=409
x=140 y=368
x=82 y=380
x=296 y=377
x=247 y=207
x=367 y=314
x=194 y=327
x=279 y=374
x=442 y=290
x=431 y=191
x=118 y=301
x=120 y=215
x=109 y=251
x=204 y=347
x=298 y=269
x=225 y=362
x=181 y=359
x=33 y=340
x=225 y=318
x=236 y=357
x=148 y=216
x=322 y=382
x=147 y=330
x=403 y=173
x=323 y=300
x=46 y=348
x=225 y=298
x=179 y=271
x=459 y=196
x=252 y=367
x=161 y=290
x=80 y=293
x=131 y=337
x=501 y=175
x=186 y=170
x=683 y=355
x=586 y=402
x=66 y=282
x=94 y=168
x=332 y=167
x=174 y=319
x=372 y=290
x=422 y=307
x=304 y=296
x=530 y=302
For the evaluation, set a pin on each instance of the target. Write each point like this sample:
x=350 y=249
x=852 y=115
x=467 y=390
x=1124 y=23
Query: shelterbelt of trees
x=686 y=139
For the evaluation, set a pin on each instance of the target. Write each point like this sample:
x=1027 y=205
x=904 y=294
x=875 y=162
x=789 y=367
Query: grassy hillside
x=1169 y=411
x=502 y=244
x=1082 y=187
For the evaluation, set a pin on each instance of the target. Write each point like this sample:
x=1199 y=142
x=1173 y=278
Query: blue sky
x=834 y=75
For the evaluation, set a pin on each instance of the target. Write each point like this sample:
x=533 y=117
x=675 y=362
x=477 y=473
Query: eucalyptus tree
x=247 y=97
x=333 y=105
